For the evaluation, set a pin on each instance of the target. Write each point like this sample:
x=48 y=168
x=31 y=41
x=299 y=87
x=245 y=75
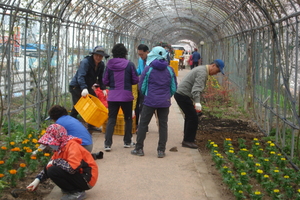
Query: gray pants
x=146 y=115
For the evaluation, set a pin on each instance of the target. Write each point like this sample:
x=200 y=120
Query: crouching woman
x=72 y=167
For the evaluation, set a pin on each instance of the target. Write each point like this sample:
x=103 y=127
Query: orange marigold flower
x=1 y=175
x=33 y=157
x=43 y=132
x=12 y=171
x=34 y=140
x=12 y=143
x=28 y=150
x=29 y=135
x=15 y=149
x=3 y=148
x=22 y=165
x=46 y=154
x=1 y=162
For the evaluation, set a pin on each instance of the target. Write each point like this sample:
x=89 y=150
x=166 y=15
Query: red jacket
x=80 y=160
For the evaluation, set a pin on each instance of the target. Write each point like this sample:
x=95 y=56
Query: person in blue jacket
x=120 y=74
x=90 y=71
x=74 y=127
x=196 y=58
x=158 y=83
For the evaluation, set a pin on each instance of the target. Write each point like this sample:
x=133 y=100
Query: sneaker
x=74 y=196
x=107 y=148
x=138 y=152
x=132 y=144
x=160 y=154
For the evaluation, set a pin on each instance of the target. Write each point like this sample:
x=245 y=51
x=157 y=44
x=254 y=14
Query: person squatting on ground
x=74 y=127
x=90 y=71
x=120 y=74
x=188 y=93
x=158 y=83
x=72 y=167
x=142 y=51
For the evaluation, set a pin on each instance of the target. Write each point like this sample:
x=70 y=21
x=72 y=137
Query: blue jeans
x=146 y=115
x=113 y=109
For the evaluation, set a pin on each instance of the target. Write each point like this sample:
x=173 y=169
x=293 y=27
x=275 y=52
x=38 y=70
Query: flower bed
x=256 y=171
x=17 y=159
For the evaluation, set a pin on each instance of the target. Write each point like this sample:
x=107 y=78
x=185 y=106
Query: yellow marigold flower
x=12 y=143
x=272 y=152
x=40 y=150
x=1 y=175
x=261 y=149
x=257 y=193
x=286 y=176
x=47 y=154
x=228 y=139
x=257 y=143
x=12 y=171
x=298 y=190
x=211 y=143
x=259 y=171
x=239 y=183
x=215 y=145
x=269 y=142
x=1 y=162
x=229 y=172
x=266 y=176
x=276 y=170
x=266 y=159
x=250 y=155
x=255 y=139
x=257 y=164
x=244 y=149
x=22 y=165
x=272 y=144
x=276 y=190
x=43 y=132
x=3 y=148
x=279 y=154
x=231 y=147
x=243 y=173
x=29 y=135
x=34 y=140
x=25 y=141
x=33 y=158
x=218 y=154
x=25 y=148
x=28 y=150
x=240 y=191
x=231 y=151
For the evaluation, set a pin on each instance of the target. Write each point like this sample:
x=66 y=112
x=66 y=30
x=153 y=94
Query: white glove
x=133 y=114
x=104 y=92
x=32 y=186
x=42 y=147
x=84 y=92
x=198 y=107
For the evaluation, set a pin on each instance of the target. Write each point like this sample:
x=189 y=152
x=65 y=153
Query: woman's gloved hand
x=198 y=107
x=84 y=92
x=33 y=186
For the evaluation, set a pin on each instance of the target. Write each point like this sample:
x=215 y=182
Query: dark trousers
x=190 y=117
x=76 y=94
x=113 y=109
x=146 y=115
x=66 y=181
x=139 y=107
x=195 y=64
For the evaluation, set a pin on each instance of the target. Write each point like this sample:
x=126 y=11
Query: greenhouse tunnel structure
x=43 y=41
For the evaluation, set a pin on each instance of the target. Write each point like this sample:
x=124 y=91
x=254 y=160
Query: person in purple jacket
x=158 y=83
x=120 y=74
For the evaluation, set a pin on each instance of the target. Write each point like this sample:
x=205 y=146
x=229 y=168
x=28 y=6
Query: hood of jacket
x=159 y=64
x=117 y=64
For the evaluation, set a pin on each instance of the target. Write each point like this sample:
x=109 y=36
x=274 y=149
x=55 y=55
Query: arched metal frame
x=258 y=40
